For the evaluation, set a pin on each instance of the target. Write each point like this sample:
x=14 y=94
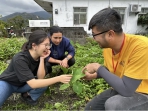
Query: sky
x=11 y=6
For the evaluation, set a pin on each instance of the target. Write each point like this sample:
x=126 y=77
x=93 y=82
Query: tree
x=143 y=20
x=17 y=22
x=3 y=29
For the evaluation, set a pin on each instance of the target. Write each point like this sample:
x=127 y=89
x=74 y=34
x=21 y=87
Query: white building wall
x=64 y=18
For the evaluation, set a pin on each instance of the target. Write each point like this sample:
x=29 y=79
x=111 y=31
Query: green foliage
x=65 y=70
x=77 y=75
x=143 y=20
x=9 y=47
x=58 y=106
x=3 y=66
x=88 y=53
x=64 y=86
x=76 y=85
x=3 y=31
x=17 y=22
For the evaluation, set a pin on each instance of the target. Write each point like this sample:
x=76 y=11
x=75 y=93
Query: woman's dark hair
x=106 y=19
x=37 y=37
x=55 y=29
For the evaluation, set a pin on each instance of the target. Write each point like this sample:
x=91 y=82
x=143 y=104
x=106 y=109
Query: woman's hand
x=65 y=78
x=46 y=54
x=64 y=63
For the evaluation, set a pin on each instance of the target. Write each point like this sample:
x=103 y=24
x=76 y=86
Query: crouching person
x=25 y=74
x=126 y=65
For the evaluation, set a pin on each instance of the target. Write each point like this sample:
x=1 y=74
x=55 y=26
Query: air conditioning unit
x=135 y=8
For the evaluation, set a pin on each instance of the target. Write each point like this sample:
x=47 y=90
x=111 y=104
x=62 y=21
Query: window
x=144 y=11
x=122 y=13
x=80 y=15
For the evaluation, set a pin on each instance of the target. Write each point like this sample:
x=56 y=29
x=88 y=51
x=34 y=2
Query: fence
x=76 y=34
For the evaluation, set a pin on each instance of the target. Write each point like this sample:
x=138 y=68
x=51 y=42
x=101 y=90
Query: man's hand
x=89 y=76
x=91 y=68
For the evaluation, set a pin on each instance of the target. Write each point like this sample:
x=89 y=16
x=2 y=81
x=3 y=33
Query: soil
x=46 y=101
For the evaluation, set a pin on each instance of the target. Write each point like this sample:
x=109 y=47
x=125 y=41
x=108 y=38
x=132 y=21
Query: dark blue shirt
x=58 y=51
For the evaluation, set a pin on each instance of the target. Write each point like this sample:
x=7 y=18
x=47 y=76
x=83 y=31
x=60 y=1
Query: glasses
x=48 y=46
x=99 y=33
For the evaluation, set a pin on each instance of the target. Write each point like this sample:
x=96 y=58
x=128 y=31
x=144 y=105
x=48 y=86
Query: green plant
x=9 y=47
x=143 y=20
x=3 y=30
x=3 y=66
x=76 y=85
x=17 y=22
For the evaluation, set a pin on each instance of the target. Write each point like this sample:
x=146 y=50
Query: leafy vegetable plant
x=75 y=83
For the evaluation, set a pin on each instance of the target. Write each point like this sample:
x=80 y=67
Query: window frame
x=121 y=14
x=79 y=13
x=144 y=10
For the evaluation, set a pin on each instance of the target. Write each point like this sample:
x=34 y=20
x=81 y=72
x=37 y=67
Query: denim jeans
x=111 y=100
x=6 y=90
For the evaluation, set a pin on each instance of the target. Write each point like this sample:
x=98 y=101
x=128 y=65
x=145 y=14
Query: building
x=77 y=13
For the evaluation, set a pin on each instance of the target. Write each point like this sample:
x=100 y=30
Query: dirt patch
x=53 y=99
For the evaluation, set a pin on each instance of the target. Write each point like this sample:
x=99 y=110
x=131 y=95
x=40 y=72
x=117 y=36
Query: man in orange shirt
x=125 y=65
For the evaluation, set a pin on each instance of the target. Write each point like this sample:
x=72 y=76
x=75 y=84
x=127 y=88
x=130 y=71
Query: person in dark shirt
x=26 y=71
x=60 y=45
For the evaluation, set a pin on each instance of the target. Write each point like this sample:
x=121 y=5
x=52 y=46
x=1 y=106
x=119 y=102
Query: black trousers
x=110 y=100
x=49 y=65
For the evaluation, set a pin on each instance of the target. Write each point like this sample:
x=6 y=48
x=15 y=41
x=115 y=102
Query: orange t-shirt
x=133 y=60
